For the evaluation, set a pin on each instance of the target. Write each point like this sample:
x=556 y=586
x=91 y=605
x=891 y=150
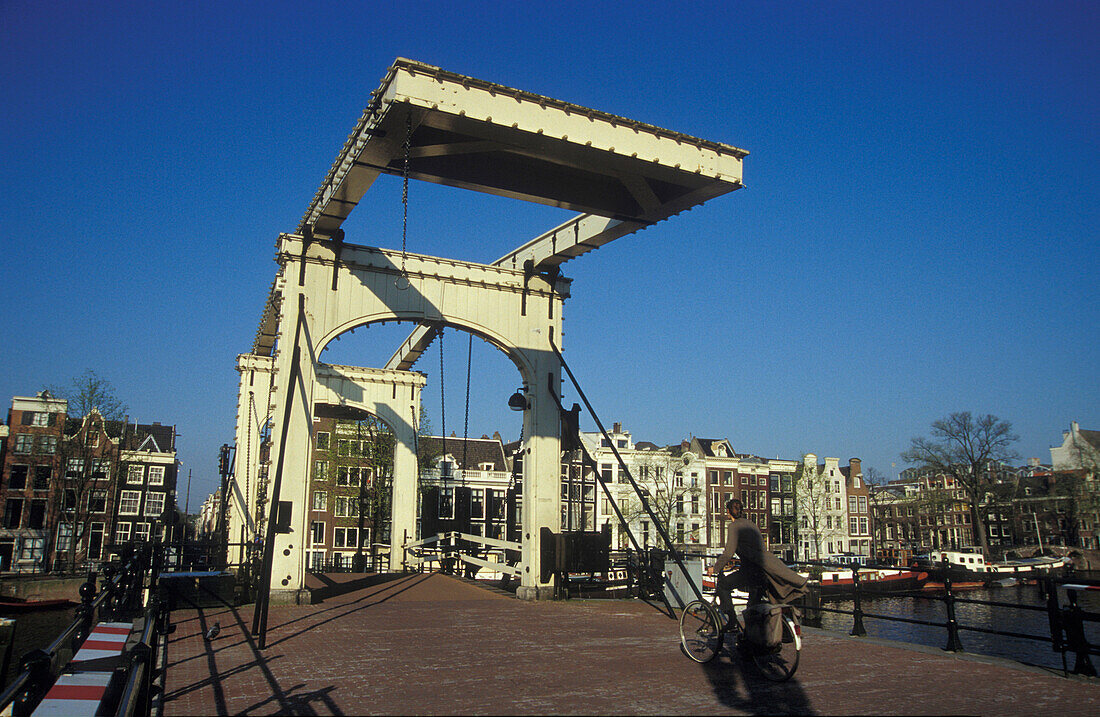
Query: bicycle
x=703 y=633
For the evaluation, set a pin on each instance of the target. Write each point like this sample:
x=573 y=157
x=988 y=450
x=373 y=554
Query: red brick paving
x=431 y=644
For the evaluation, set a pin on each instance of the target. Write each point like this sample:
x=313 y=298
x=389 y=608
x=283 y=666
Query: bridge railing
x=450 y=548
x=40 y=668
x=1066 y=622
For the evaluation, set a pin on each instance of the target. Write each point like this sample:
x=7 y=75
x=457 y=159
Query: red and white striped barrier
x=80 y=692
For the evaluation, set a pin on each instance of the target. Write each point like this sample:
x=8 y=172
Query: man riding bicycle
x=761 y=574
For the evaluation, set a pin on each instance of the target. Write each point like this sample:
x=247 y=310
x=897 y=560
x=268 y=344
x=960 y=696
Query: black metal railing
x=119 y=599
x=1066 y=622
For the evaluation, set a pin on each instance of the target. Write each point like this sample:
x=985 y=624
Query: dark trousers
x=748 y=578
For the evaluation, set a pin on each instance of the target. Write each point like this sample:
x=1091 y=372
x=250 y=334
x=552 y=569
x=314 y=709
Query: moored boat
x=967 y=567
x=872 y=580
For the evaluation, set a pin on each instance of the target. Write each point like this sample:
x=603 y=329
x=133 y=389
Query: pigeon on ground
x=213 y=632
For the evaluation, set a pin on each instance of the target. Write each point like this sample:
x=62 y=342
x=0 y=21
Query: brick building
x=73 y=486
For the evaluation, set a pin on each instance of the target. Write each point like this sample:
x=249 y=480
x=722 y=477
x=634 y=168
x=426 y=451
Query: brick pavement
x=431 y=644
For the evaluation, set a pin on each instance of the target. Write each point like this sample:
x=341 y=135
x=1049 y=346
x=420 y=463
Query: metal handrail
x=1068 y=619
x=39 y=664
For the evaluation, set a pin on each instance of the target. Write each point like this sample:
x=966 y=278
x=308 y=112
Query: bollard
x=811 y=601
x=857 y=607
x=1075 y=636
x=953 y=644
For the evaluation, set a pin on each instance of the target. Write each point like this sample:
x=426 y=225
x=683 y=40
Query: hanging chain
x=466 y=425
x=248 y=451
x=405 y=190
x=442 y=404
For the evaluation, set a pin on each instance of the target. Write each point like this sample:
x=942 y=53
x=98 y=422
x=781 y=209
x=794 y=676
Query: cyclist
x=761 y=574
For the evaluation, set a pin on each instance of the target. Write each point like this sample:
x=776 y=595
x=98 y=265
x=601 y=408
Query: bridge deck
x=431 y=644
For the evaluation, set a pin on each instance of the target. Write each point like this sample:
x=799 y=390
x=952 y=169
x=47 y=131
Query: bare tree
x=811 y=502
x=88 y=391
x=665 y=491
x=964 y=447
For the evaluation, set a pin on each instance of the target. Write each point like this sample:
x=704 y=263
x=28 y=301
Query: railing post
x=37 y=664
x=1054 y=616
x=857 y=607
x=811 y=605
x=1075 y=636
x=953 y=644
x=84 y=612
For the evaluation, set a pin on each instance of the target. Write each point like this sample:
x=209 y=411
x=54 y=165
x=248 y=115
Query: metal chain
x=442 y=403
x=405 y=190
x=466 y=425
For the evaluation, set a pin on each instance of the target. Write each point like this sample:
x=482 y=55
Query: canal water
x=1029 y=622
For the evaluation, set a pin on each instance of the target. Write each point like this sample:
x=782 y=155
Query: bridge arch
x=328 y=288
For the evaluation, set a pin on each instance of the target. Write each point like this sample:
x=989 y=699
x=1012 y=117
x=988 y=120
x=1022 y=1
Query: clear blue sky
x=918 y=234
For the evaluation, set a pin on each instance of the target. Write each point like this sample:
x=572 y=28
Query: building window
x=853 y=526
x=605 y=473
x=477 y=504
x=100 y=467
x=95 y=541
x=320 y=470
x=345 y=537
x=24 y=443
x=141 y=531
x=122 y=532
x=342 y=475
x=49 y=444
x=862 y=504
x=727 y=477
x=17 y=480
x=694 y=503
x=40 y=418
x=317 y=532
x=135 y=473
x=37 y=518
x=64 y=537
x=75 y=467
x=42 y=476
x=366 y=476
x=851 y=504
x=498 y=507
x=446 y=503
x=97 y=501
x=154 y=504
x=346 y=507
x=320 y=500
x=322 y=441
x=129 y=502
x=863 y=526
x=156 y=475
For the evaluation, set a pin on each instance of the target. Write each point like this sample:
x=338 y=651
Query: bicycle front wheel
x=779 y=663
x=700 y=631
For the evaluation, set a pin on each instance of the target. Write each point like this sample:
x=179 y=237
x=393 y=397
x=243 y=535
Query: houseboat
x=969 y=568
x=872 y=580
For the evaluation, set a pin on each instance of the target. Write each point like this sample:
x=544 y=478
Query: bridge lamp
x=517 y=401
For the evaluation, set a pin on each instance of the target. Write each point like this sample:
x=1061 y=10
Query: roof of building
x=478 y=451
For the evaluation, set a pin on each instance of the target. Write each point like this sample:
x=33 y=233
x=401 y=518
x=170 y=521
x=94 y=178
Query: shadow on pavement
x=328 y=587
x=739 y=686
x=288 y=700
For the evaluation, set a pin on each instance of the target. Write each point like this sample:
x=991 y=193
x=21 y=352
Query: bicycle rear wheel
x=779 y=663
x=700 y=631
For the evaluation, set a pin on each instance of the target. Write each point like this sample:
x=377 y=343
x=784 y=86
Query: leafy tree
x=878 y=497
x=965 y=447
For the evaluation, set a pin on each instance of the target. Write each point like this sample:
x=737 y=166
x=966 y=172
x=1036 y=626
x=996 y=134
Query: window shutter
x=53 y=419
x=28 y=417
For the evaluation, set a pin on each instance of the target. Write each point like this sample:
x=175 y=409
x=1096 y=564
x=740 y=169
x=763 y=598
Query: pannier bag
x=764 y=624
